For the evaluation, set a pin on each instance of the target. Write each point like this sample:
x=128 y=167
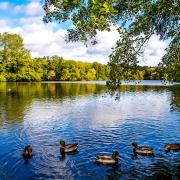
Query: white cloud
x=6 y=28
x=106 y=41
x=3 y=22
x=18 y=9
x=4 y=5
x=34 y=8
x=27 y=20
x=153 y=52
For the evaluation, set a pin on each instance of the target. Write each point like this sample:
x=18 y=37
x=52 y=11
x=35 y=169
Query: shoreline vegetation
x=17 y=65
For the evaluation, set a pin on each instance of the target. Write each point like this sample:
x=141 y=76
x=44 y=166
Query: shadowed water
x=41 y=114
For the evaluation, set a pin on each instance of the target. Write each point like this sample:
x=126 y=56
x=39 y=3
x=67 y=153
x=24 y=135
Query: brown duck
x=142 y=150
x=174 y=147
x=27 y=152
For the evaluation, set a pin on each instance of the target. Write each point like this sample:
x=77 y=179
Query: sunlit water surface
x=41 y=114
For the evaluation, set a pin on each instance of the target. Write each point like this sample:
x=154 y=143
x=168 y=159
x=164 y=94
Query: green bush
x=2 y=78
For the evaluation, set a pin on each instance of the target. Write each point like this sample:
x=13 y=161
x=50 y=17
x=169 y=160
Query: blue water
x=41 y=114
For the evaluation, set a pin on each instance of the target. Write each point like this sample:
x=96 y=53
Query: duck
x=27 y=152
x=108 y=159
x=174 y=147
x=11 y=92
x=142 y=150
x=67 y=148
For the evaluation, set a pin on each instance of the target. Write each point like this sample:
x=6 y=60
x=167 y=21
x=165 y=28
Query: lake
x=41 y=114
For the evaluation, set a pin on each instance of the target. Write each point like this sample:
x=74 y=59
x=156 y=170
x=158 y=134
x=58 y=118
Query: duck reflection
x=114 y=173
x=63 y=155
x=26 y=160
x=161 y=170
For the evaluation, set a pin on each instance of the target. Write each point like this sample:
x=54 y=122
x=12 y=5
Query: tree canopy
x=136 y=21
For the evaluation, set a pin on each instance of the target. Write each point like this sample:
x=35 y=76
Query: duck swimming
x=27 y=152
x=174 y=147
x=108 y=159
x=142 y=150
x=11 y=92
x=67 y=148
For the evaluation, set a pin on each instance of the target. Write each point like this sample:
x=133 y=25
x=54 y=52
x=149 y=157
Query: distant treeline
x=16 y=64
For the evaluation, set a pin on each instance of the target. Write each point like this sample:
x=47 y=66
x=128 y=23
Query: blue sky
x=24 y=17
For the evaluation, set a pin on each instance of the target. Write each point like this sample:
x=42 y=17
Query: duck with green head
x=142 y=150
x=67 y=148
x=108 y=159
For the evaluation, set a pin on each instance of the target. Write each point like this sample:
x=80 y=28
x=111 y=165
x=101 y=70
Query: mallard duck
x=108 y=159
x=27 y=152
x=67 y=148
x=142 y=150
x=174 y=147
